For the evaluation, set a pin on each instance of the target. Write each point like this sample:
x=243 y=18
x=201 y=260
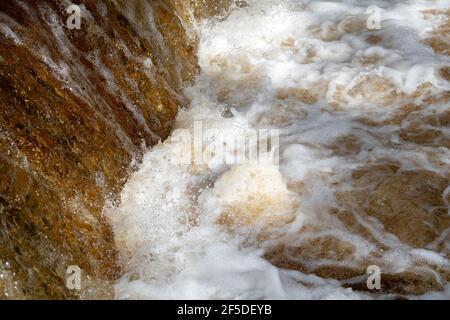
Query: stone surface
x=76 y=108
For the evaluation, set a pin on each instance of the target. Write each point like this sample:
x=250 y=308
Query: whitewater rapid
x=315 y=72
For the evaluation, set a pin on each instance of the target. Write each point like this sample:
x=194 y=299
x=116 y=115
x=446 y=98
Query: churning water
x=363 y=171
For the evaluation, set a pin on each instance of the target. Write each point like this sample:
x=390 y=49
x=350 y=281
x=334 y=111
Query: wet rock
x=439 y=39
x=445 y=73
x=76 y=108
x=200 y=9
x=409 y=205
x=299 y=94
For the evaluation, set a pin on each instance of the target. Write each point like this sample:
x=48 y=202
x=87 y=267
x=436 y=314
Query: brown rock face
x=76 y=106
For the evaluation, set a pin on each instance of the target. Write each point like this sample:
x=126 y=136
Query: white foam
x=193 y=231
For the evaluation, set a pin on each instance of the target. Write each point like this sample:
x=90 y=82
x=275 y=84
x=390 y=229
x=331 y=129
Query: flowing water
x=363 y=171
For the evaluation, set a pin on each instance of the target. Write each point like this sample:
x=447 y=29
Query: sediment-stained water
x=364 y=161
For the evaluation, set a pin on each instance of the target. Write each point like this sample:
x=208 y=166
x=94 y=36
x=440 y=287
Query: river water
x=361 y=177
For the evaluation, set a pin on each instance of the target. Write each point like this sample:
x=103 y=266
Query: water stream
x=363 y=172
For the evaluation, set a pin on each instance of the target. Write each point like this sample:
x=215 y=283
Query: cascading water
x=77 y=102
x=363 y=172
